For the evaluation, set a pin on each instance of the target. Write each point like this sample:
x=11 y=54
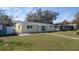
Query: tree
x=76 y=20
x=5 y=19
x=49 y=16
x=65 y=22
x=39 y=15
x=45 y=16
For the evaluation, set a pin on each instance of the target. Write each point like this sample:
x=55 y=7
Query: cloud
x=67 y=15
x=19 y=13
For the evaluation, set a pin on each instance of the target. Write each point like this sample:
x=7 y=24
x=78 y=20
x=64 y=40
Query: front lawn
x=42 y=42
x=68 y=33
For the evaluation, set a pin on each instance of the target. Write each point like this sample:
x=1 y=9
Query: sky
x=19 y=13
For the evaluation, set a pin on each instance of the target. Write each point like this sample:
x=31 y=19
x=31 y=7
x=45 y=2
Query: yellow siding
x=18 y=30
x=34 y=28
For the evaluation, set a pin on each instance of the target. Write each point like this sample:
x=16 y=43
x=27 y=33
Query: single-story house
x=6 y=29
x=63 y=27
x=30 y=27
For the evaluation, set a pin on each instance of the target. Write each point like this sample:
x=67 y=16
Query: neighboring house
x=6 y=30
x=30 y=27
x=63 y=27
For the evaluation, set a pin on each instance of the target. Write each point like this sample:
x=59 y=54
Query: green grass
x=42 y=42
x=68 y=33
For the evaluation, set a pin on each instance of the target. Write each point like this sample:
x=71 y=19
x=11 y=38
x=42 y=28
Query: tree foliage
x=65 y=22
x=5 y=19
x=76 y=20
x=45 y=16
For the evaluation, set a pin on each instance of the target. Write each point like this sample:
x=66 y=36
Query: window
x=55 y=26
x=19 y=26
x=43 y=28
x=29 y=27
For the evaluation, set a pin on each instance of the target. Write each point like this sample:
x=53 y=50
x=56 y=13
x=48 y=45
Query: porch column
x=75 y=27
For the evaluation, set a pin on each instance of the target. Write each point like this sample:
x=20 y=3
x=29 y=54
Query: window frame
x=29 y=26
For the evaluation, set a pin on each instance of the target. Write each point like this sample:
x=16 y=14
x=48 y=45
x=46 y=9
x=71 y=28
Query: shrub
x=77 y=32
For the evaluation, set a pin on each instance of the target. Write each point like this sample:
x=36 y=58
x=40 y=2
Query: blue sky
x=65 y=13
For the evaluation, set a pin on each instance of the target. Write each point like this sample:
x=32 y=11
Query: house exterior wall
x=2 y=30
x=10 y=30
x=35 y=28
x=17 y=29
x=23 y=28
x=49 y=28
x=6 y=30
